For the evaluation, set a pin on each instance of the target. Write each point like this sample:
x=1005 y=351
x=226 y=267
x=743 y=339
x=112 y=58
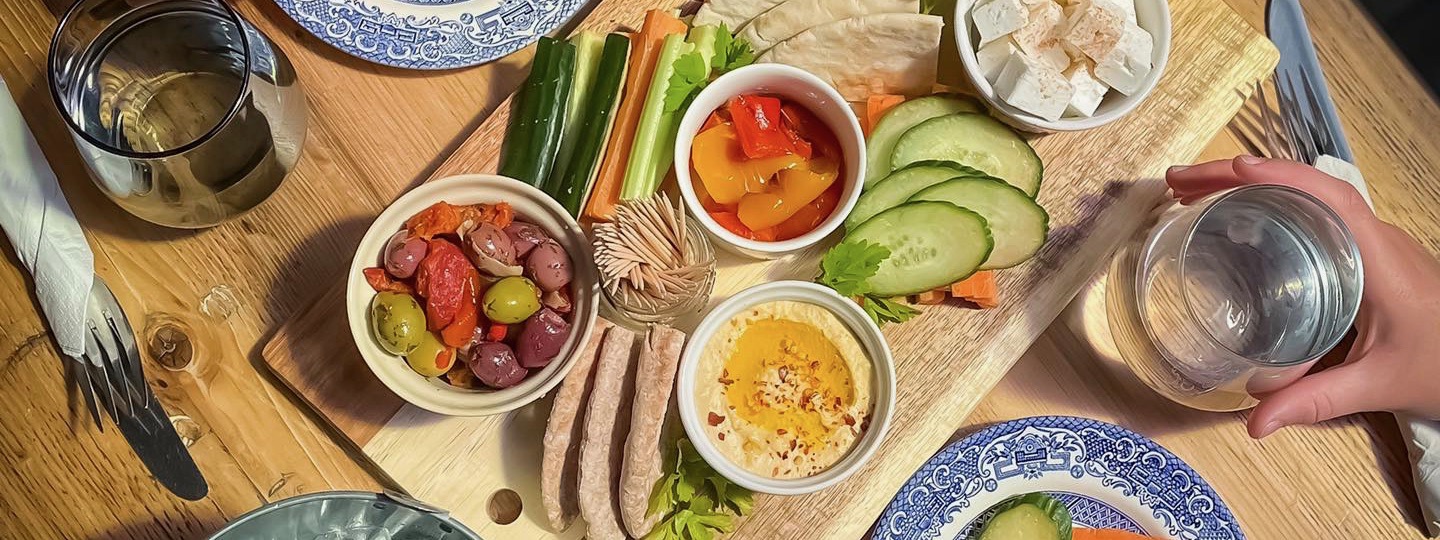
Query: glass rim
x=1328 y=213
x=52 y=72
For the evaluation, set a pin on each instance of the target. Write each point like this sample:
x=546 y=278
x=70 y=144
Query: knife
x=1299 y=67
x=141 y=419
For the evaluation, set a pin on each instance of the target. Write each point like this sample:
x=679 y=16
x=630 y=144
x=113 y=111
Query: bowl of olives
x=472 y=295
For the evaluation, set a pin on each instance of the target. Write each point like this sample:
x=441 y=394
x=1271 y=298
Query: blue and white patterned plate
x=1108 y=476
x=430 y=34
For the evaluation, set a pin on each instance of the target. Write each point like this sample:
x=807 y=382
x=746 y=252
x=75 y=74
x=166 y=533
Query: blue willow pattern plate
x=430 y=34
x=1106 y=475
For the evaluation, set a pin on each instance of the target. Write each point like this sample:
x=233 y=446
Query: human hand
x=1394 y=364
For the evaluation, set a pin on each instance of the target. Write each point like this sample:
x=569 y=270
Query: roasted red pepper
x=762 y=132
x=441 y=280
x=731 y=222
x=462 y=328
x=437 y=219
x=381 y=281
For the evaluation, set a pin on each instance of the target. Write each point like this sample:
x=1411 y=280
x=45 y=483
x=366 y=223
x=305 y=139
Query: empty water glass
x=184 y=113
x=1235 y=295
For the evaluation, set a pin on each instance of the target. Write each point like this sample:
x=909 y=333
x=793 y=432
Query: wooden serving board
x=1099 y=187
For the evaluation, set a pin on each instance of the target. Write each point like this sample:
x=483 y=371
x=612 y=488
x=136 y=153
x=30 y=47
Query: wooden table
x=61 y=478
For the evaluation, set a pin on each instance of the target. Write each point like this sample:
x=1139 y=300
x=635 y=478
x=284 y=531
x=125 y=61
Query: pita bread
x=644 y=447
x=888 y=53
x=733 y=13
x=607 y=419
x=792 y=17
x=561 y=458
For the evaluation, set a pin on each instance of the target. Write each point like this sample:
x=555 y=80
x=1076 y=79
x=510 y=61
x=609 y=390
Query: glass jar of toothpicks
x=655 y=263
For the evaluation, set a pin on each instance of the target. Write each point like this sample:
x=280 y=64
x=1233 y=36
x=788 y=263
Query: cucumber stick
x=588 y=46
x=900 y=119
x=643 y=172
x=973 y=140
x=932 y=244
x=1017 y=224
x=575 y=182
x=533 y=136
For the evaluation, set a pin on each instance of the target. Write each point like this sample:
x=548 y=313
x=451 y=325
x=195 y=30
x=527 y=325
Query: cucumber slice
x=1017 y=223
x=1033 y=516
x=899 y=120
x=931 y=244
x=898 y=188
x=973 y=140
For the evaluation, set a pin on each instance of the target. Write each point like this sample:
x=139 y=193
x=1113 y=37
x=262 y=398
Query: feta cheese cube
x=1135 y=43
x=1032 y=86
x=1089 y=92
x=1126 y=67
x=992 y=57
x=1123 y=73
x=1125 y=8
x=1040 y=37
x=997 y=18
x=1094 y=30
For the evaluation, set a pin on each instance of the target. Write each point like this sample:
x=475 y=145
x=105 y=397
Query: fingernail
x=1177 y=168
x=1252 y=160
x=1271 y=427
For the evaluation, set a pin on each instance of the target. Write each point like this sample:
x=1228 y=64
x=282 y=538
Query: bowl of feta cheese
x=1063 y=65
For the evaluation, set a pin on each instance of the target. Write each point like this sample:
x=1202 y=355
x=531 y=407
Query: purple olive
x=558 y=300
x=491 y=251
x=403 y=254
x=542 y=338
x=525 y=236
x=495 y=365
x=548 y=266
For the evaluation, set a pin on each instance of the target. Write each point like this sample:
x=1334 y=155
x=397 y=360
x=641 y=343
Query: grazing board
x=1100 y=185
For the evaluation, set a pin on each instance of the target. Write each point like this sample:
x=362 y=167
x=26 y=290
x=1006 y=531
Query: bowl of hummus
x=786 y=388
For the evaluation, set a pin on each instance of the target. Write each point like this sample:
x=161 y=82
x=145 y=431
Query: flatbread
x=644 y=447
x=607 y=420
x=792 y=17
x=733 y=13
x=561 y=458
x=889 y=53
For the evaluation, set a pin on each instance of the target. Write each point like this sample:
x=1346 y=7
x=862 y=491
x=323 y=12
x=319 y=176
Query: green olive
x=511 y=300
x=397 y=321
x=431 y=357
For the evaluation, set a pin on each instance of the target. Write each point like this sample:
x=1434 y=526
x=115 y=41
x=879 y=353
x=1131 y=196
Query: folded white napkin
x=43 y=230
x=1424 y=436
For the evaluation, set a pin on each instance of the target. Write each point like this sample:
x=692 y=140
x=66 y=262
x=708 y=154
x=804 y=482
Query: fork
x=110 y=373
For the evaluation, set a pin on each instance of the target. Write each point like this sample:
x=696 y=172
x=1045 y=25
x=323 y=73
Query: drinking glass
x=1235 y=295
x=184 y=114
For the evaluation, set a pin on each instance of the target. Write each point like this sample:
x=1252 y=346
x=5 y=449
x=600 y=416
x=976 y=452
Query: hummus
x=783 y=389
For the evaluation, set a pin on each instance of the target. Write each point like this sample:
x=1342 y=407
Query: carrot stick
x=979 y=288
x=644 y=50
x=876 y=106
x=1105 y=534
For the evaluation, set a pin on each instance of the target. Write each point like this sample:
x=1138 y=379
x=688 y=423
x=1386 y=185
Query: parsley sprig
x=691 y=73
x=848 y=266
x=697 y=503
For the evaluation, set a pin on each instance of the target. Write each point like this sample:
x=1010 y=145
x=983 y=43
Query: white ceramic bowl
x=800 y=87
x=530 y=204
x=1152 y=15
x=882 y=389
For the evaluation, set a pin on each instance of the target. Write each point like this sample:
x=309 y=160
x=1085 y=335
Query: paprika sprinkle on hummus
x=785 y=389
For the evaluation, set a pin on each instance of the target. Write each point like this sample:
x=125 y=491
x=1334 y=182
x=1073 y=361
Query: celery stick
x=587 y=56
x=703 y=37
x=641 y=172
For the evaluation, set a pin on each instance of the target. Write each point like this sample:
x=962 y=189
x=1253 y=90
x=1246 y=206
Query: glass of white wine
x=1235 y=295
x=184 y=113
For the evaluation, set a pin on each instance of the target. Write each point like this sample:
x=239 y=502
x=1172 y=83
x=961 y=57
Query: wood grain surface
x=371 y=137
x=1095 y=199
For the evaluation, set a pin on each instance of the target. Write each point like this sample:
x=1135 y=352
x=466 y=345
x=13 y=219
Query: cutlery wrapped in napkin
x=1423 y=435
x=43 y=230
